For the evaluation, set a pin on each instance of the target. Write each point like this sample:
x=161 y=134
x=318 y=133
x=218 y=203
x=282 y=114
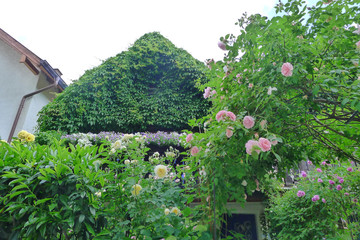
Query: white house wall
x=16 y=80
x=36 y=103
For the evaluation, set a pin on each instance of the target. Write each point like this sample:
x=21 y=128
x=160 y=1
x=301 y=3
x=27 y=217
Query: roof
x=32 y=61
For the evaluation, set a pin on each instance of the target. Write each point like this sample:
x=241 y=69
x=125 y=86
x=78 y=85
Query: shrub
x=324 y=204
x=150 y=87
x=104 y=191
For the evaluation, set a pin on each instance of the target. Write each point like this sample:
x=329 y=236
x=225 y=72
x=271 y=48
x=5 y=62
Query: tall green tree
x=150 y=87
x=287 y=90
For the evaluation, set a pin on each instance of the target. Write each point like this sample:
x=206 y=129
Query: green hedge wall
x=150 y=87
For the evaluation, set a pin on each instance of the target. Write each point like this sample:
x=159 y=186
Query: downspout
x=22 y=103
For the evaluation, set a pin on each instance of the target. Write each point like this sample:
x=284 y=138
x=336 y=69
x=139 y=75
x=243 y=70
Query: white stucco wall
x=16 y=80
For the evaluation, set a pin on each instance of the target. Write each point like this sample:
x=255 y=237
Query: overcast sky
x=77 y=35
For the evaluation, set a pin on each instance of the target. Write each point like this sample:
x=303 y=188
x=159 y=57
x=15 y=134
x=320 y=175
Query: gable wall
x=16 y=80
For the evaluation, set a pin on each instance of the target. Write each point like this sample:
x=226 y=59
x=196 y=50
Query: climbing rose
x=229 y=132
x=207 y=92
x=315 y=198
x=160 y=171
x=222 y=46
x=303 y=174
x=220 y=115
x=231 y=115
x=320 y=180
x=248 y=122
x=166 y=211
x=323 y=200
x=189 y=137
x=341 y=180
x=350 y=169
x=194 y=150
x=300 y=193
x=263 y=124
x=250 y=145
x=318 y=170
x=338 y=187
x=331 y=182
x=264 y=144
x=287 y=69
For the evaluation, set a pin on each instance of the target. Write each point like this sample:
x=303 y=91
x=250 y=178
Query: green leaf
x=81 y=218
x=90 y=229
x=316 y=90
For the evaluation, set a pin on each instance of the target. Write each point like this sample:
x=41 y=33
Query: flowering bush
x=292 y=82
x=323 y=204
x=158 y=139
x=89 y=191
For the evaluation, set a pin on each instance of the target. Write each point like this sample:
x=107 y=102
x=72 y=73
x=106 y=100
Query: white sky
x=76 y=35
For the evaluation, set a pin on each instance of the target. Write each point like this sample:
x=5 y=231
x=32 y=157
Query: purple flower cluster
x=163 y=138
x=159 y=138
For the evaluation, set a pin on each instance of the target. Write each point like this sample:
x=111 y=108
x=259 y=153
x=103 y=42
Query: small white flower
x=357 y=31
x=244 y=183
x=127 y=161
x=270 y=89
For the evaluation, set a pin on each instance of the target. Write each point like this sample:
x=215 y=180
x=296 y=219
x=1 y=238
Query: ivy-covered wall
x=150 y=87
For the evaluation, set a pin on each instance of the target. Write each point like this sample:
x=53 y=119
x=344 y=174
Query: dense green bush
x=87 y=192
x=150 y=87
x=323 y=205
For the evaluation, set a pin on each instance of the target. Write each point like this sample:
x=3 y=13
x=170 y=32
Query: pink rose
x=207 y=92
x=229 y=132
x=189 y=137
x=300 y=193
x=263 y=124
x=287 y=69
x=251 y=85
x=231 y=115
x=220 y=115
x=194 y=150
x=264 y=144
x=213 y=92
x=315 y=198
x=248 y=122
x=250 y=145
x=222 y=46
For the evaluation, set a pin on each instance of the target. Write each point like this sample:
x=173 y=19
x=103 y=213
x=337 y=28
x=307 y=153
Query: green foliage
x=334 y=216
x=48 y=192
x=150 y=87
x=46 y=138
x=310 y=114
x=86 y=192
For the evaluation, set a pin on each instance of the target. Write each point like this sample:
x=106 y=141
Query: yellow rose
x=22 y=134
x=175 y=210
x=30 y=137
x=160 y=171
x=166 y=211
x=136 y=189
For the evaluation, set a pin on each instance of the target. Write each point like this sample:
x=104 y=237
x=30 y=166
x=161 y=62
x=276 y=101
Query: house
x=27 y=83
